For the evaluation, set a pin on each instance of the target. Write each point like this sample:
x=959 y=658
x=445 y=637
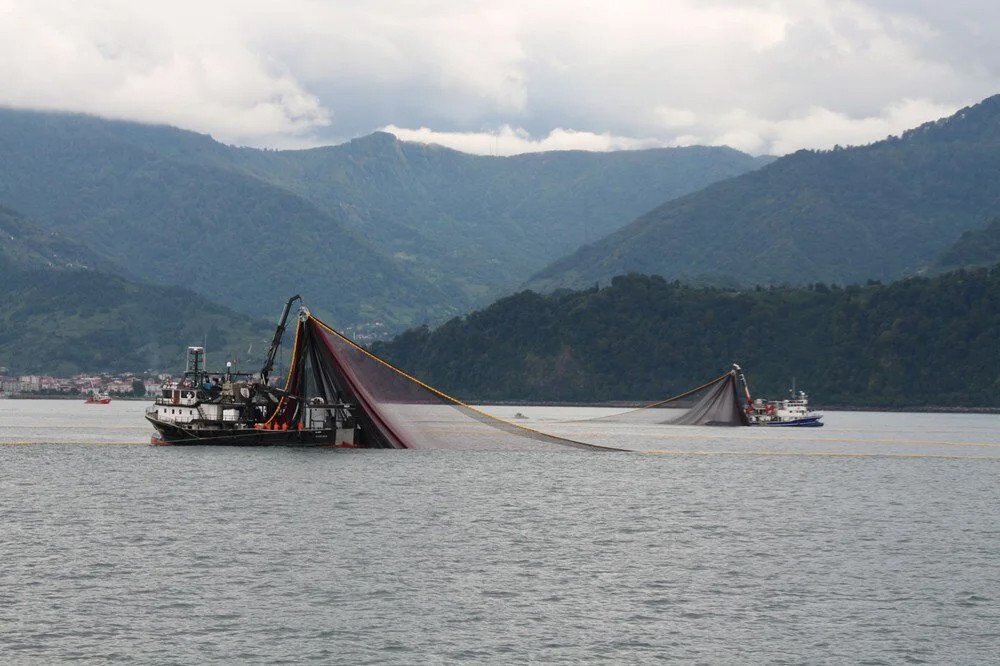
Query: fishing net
x=715 y=403
x=393 y=409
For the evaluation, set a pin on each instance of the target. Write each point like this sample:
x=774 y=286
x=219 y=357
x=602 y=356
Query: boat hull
x=171 y=434
x=807 y=422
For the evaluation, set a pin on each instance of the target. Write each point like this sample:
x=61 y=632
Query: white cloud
x=816 y=127
x=122 y=61
x=507 y=140
x=763 y=75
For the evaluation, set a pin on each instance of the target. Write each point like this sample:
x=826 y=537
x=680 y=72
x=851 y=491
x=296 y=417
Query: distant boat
x=791 y=412
x=96 y=397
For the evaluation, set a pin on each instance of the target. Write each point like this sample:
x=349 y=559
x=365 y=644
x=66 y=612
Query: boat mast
x=195 y=356
x=276 y=342
x=741 y=378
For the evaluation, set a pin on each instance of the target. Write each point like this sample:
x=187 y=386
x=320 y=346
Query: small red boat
x=95 y=398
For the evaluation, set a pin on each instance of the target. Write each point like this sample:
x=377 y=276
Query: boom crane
x=276 y=342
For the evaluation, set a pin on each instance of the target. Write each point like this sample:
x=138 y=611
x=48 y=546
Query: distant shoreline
x=81 y=397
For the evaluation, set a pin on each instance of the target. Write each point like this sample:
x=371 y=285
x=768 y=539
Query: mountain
x=59 y=314
x=371 y=230
x=25 y=245
x=979 y=247
x=478 y=225
x=917 y=342
x=880 y=212
x=191 y=222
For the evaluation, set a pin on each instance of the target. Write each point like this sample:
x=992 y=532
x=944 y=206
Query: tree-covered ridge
x=76 y=320
x=918 y=342
x=378 y=229
x=25 y=244
x=978 y=247
x=209 y=228
x=494 y=219
x=63 y=310
x=880 y=211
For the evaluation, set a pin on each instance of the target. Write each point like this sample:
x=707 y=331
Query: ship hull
x=808 y=422
x=171 y=434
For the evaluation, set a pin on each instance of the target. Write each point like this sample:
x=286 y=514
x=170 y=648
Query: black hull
x=169 y=434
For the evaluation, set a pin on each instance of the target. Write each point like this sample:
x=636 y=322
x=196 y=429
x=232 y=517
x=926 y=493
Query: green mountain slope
x=918 y=342
x=376 y=229
x=60 y=315
x=979 y=247
x=25 y=245
x=476 y=224
x=873 y=212
x=214 y=230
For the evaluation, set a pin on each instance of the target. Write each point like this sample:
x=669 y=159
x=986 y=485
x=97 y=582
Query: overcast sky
x=508 y=76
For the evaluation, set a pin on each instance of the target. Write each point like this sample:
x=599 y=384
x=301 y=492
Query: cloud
x=507 y=75
x=507 y=140
x=816 y=127
x=121 y=60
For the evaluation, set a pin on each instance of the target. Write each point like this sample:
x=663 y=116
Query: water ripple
x=215 y=556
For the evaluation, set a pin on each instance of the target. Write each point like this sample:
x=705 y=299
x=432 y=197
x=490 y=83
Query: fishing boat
x=793 y=411
x=96 y=397
x=239 y=409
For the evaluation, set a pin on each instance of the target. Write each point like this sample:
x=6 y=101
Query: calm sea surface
x=873 y=540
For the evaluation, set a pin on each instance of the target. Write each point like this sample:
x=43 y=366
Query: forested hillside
x=60 y=315
x=223 y=234
x=881 y=211
x=373 y=230
x=480 y=225
x=28 y=245
x=918 y=342
x=978 y=247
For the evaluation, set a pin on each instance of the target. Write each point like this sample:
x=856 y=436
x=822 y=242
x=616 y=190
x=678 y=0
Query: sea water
x=872 y=540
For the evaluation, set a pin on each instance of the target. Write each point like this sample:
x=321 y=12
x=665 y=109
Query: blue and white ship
x=792 y=412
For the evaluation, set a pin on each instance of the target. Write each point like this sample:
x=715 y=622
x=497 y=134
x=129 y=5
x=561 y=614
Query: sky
x=508 y=76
